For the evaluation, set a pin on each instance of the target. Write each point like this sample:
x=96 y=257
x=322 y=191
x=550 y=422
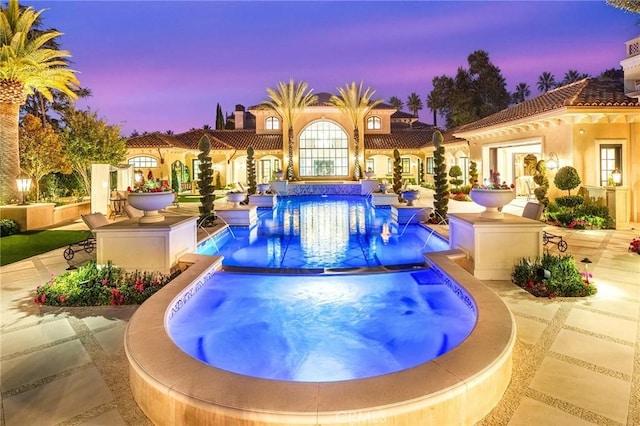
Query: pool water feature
x=310 y=232
x=321 y=329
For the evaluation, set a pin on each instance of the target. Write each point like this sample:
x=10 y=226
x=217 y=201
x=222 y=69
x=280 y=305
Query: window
x=324 y=150
x=143 y=162
x=265 y=170
x=389 y=166
x=406 y=165
x=195 y=167
x=610 y=159
x=272 y=123
x=369 y=164
x=430 y=166
x=374 y=123
x=464 y=165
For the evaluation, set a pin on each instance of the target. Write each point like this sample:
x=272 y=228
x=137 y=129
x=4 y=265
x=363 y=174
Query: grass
x=31 y=243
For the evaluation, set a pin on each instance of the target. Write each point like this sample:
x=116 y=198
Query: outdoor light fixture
x=543 y=274
x=616 y=177
x=586 y=263
x=24 y=183
x=552 y=162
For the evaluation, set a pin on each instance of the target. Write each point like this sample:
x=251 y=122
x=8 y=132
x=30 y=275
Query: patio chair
x=132 y=212
x=532 y=210
x=93 y=221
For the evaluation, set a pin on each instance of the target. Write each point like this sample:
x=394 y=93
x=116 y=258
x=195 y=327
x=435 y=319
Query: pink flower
x=62 y=298
x=43 y=298
x=105 y=281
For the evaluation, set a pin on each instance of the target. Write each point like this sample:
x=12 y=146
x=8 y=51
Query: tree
x=356 y=104
x=219 y=118
x=205 y=180
x=88 y=139
x=414 y=103
x=397 y=174
x=521 y=93
x=489 y=87
x=40 y=151
x=473 y=172
x=572 y=76
x=251 y=172
x=632 y=6
x=396 y=102
x=613 y=73
x=455 y=172
x=441 y=195
x=540 y=179
x=25 y=65
x=567 y=178
x=288 y=100
x=546 y=82
x=206 y=127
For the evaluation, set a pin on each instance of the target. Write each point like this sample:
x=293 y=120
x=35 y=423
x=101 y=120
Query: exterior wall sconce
x=616 y=177
x=24 y=183
x=582 y=131
x=552 y=162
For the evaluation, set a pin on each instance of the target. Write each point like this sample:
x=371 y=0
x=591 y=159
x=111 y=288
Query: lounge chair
x=93 y=221
x=132 y=212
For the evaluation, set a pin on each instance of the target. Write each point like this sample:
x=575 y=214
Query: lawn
x=31 y=243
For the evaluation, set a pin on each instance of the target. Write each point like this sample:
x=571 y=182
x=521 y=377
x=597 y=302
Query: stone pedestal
x=240 y=216
x=495 y=245
x=146 y=247
x=368 y=186
x=280 y=187
x=258 y=200
x=379 y=199
x=403 y=213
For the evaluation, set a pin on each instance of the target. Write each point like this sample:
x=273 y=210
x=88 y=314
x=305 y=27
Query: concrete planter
x=150 y=203
x=492 y=200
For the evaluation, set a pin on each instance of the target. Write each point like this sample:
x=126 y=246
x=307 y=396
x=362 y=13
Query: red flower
x=43 y=298
x=530 y=283
x=62 y=298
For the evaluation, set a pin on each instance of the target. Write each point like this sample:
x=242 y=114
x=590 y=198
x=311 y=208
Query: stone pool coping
x=459 y=387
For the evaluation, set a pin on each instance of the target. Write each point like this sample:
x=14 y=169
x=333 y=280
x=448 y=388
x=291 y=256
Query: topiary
x=473 y=172
x=540 y=179
x=440 y=198
x=205 y=181
x=397 y=173
x=455 y=172
x=251 y=172
x=567 y=179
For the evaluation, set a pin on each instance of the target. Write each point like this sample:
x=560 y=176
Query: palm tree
x=356 y=104
x=521 y=93
x=546 y=82
x=572 y=76
x=396 y=102
x=26 y=65
x=414 y=103
x=288 y=100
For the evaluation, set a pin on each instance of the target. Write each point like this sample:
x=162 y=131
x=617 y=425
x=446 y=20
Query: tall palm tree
x=26 y=65
x=396 y=102
x=572 y=76
x=288 y=100
x=414 y=103
x=521 y=93
x=546 y=82
x=356 y=104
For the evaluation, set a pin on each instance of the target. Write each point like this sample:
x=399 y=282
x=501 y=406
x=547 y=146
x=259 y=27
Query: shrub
x=8 y=227
x=91 y=285
x=569 y=201
x=455 y=172
x=563 y=280
x=567 y=179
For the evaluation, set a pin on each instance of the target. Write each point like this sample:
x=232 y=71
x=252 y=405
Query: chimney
x=631 y=68
x=239 y=117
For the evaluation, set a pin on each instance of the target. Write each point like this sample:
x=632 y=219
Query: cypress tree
x=440 y=198
x=251 y=171
x=397 y=174
x=205 y=177
x=219 y=118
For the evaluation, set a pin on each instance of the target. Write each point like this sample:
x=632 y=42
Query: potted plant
x=150 y=196
x=492 y=195
x=236 y=197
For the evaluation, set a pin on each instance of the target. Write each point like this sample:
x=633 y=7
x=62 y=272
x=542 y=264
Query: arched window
x=374 y=123
x=324 y=150
x=272 y=123
x=143 y=161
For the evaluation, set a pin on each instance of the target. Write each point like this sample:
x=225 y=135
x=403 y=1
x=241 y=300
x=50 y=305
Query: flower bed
x=634 y=246
x=552 y=276
x=91 y=285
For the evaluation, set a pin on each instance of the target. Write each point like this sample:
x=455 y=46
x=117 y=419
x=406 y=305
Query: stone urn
x=236 y=198
x=263 y=188
x=278 y=175
x=370 y=174
x=410 y=196
x=384 y=187
x=492 y=200
x=150 y=203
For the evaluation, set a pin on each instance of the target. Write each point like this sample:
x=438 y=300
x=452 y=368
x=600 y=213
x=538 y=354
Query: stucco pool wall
x=457 y=388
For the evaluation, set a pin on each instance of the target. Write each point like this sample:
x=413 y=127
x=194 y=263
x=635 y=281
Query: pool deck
x=576 y=361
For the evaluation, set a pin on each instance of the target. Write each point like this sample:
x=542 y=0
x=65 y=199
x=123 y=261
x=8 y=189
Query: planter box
x=44 y=215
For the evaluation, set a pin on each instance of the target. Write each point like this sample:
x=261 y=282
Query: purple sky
x=163 y=65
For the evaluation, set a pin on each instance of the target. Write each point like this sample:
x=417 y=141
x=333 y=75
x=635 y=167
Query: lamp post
x=586 y=263
x=24 y=183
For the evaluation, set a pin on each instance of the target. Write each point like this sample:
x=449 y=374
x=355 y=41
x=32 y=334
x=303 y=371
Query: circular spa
x=308 y=341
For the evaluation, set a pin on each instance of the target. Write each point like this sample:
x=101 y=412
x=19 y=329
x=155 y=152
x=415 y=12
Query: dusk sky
x=163 y=65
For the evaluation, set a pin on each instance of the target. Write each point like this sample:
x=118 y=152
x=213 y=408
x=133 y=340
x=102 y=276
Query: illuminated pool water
x=316 y=328
x=306 y=232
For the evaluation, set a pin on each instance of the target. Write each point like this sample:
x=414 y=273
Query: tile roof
x=232 y=139
x=155 y=140
x=410 y=139
x=192 y=137
x=402 y=114
x=589 y=92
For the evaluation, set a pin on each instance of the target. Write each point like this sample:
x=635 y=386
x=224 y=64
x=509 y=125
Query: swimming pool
x=322 y=328
x=316 y=232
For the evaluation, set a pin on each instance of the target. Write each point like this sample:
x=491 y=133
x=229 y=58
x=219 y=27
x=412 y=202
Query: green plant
x=473 y=172
x=218 y=181
x=205 y=177
x=251 y=172
x=92 y=285
x=552 y=276
x=567 y=178
x=569 y=201
x=175 y=183
x=441 y=196
x=397 y=173
x=8 y=227
x=540 y=179
x=455 y=172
